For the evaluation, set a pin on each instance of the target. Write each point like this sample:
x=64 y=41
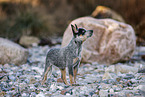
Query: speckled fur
x=68 y=56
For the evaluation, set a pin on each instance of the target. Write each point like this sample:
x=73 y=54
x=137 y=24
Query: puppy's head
x=81 y=33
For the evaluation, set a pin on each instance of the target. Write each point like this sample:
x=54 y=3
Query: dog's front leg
x=63 y=76
x=71 y=74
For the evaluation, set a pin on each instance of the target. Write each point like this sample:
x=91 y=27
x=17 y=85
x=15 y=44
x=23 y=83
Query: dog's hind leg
x=48 y=68
x=63 y=76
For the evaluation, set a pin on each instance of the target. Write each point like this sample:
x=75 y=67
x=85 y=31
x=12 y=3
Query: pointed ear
x=74 y=31
x=76 y=27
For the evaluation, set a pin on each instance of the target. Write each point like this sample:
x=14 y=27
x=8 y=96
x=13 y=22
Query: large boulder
x=11 y=52
x=112 y=41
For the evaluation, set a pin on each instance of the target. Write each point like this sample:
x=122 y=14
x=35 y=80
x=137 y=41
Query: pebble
x=103 y=93
x=53 y=87
x=108 y=75
x=125 y=68
x=141 y=87
x=111 y=90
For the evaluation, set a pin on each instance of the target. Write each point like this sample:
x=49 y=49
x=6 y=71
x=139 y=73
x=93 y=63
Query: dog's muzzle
x=91 y=33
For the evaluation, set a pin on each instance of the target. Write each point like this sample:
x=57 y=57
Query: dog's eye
x=83 y=32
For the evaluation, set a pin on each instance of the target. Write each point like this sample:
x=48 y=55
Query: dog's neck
x=75 y=43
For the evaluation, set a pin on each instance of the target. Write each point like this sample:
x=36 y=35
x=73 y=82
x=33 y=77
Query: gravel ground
x=94 y=80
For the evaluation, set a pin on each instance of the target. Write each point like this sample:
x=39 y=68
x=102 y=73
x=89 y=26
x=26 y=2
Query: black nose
x=91 y=32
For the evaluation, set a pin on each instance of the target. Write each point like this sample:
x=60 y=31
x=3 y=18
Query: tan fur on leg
x=75 y=74
x=71 y=79
x=63 y=76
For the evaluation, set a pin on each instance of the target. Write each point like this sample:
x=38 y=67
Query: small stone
x=129 y=76
x=134 y=81
x=60 y=87
x=141 y=87
x=118 y=79
x=110 y=69
x=120 y=85
x=6 y=66
x=36 y=84
x=53 y=87
x=32 y=87
x=116 y=88
x=94 y=95
x=13 y=88
x=105 y=86
x=12 y=78
x=29 y=41
x=32 y=80
x=109 y=76
x=103 y=93
x=2 y=93
x=59 y=80
x=65 y=91
x=40 y=95
x=121 y=94
x=24 y=95
x=33 y=94
x=97 y=92
x=129 y=88
x=129 y=95
x=125 y=68
x=111 y=91
x=67 y=94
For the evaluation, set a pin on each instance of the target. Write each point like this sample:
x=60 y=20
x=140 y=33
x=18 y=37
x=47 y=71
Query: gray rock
x=11 y=77
x=116 y=88
x=103 y=93
x=105 y=86
x=33 y=94
x=125 y=68
x=111 y=90
x=53 y=87
x=29 y=41
x=24 y=95
x=141 y=87
x=41 y=94
x=108 y=75
x=110 y=69
x=11 y=52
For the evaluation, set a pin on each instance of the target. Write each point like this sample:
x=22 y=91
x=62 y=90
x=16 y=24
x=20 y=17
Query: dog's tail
x=47 y=70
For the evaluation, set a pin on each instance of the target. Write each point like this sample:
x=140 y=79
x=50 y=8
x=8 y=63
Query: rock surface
x=25 y=80
x=11 y=52
x=111 y=42
x=102 y=12
x=29 y=41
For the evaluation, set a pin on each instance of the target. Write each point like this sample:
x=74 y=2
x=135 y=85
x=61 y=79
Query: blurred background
x=47 y=18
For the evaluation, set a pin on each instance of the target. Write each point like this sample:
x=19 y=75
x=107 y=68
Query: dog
x=68 y=56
